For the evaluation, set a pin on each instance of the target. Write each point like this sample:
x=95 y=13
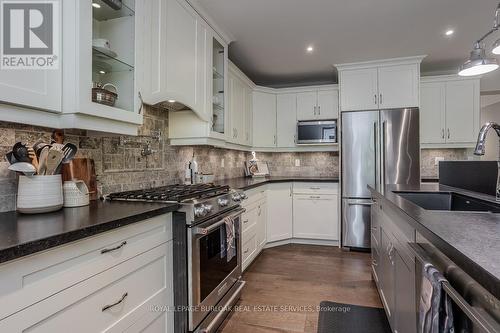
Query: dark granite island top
x=246 y=183
x=470 y=239
x=22 y=234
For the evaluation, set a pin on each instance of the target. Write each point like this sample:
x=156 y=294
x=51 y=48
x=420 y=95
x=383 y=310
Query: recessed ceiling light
x=310 y=49
x=102 y=72
x=96 y=5
x=171 y=100
x=449 y=32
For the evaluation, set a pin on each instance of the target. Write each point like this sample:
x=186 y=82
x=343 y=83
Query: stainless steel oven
x=314 y=132
x=213 y=275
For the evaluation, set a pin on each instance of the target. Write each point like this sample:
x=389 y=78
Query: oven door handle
x=207 y=230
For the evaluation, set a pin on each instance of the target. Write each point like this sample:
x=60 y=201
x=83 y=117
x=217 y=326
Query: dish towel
x=230 y=238
x=435 y=308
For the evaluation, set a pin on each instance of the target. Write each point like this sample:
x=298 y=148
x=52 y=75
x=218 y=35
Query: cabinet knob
x=381 y=99
x=448 y=133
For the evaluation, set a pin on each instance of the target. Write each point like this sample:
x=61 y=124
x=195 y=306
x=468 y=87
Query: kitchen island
x=452 y=229
x=470 y=239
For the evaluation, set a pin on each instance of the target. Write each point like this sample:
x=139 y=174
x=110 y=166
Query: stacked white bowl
x=39 y=194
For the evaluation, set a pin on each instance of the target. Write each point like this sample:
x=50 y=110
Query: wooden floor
x=285 y=284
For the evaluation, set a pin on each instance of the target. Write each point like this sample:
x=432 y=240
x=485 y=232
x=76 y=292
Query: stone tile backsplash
x=428 y=167
x=120 y=166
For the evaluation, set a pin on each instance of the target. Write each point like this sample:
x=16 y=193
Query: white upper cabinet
x=462 y=111
x=88 y=64
x=249 y=116
x=398 y=86
x=449 y=112
x=35 y=88
x=240 y=107
x=385 y=84
x=328 y=104
x=264 y=119
x=286 y=120
x=307 y=104
x=318 y=104
x=359 y=89
x=432 y=112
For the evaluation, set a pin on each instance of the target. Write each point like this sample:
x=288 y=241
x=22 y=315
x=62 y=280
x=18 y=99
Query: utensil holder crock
x=39 y=194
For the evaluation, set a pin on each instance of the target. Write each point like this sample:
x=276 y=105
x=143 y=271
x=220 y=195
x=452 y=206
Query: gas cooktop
x=171 y=193
x=199 y=202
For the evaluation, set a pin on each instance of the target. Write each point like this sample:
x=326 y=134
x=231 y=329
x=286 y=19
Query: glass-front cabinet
x=113 y=54
x=218 y=86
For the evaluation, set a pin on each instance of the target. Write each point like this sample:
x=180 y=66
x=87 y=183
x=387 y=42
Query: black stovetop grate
x=173 y=193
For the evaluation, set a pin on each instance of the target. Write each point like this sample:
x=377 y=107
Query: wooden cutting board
x=82 y=169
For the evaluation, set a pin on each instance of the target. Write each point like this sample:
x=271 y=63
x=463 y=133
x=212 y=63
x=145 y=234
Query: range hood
x=174 y=106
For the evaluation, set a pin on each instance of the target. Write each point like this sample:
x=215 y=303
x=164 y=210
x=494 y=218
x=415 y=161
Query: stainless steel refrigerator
x=378 y=147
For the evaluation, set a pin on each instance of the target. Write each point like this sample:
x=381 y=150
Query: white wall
x=491 y=82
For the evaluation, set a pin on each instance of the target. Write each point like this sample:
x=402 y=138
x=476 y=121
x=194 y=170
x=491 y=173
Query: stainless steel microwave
x=316 y=132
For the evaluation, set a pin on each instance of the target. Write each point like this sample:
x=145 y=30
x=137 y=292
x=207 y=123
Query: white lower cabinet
x=118 y=298
x=279 y=212
x=253 y=226
x=302 y=212
x=315 y=216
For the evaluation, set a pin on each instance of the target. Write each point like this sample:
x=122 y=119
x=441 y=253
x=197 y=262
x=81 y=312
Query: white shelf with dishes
x=103 y=95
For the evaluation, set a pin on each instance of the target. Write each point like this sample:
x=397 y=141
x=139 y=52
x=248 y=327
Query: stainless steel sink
x=448 y=201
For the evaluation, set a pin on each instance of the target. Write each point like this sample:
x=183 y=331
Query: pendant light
x=496 y=47
x=477 y=63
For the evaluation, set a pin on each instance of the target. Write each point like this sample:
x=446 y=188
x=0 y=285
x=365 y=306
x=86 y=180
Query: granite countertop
x=470 y=239
x=21 y=234
x=246 y=183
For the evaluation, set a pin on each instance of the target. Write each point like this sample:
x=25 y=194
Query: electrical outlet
x=297 y=162
x=222 y=163
x=438 y=159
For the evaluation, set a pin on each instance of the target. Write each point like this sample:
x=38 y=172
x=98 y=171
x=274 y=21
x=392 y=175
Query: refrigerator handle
x=384 y=127
x=375 y=148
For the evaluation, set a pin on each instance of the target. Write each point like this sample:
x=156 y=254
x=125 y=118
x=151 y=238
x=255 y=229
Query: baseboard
x=302 y=241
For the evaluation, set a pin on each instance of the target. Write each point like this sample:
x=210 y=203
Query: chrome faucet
x=480 y=148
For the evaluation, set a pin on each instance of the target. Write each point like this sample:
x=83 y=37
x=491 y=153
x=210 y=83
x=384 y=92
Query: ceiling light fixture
x=96 y=5
x=478 y=63
x=310 y=49
x=496 y=47
x=449 y=32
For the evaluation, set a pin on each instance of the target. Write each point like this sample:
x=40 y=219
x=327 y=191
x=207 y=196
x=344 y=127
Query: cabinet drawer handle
x=246 y=251
x=374 y=228
x=114 y=248
x=109 y=306
x=448 y=133
x=442 y=133
x=381 y=99
x=375 y=99
x=245 y=221
x=315 y=197
x=315 y=188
